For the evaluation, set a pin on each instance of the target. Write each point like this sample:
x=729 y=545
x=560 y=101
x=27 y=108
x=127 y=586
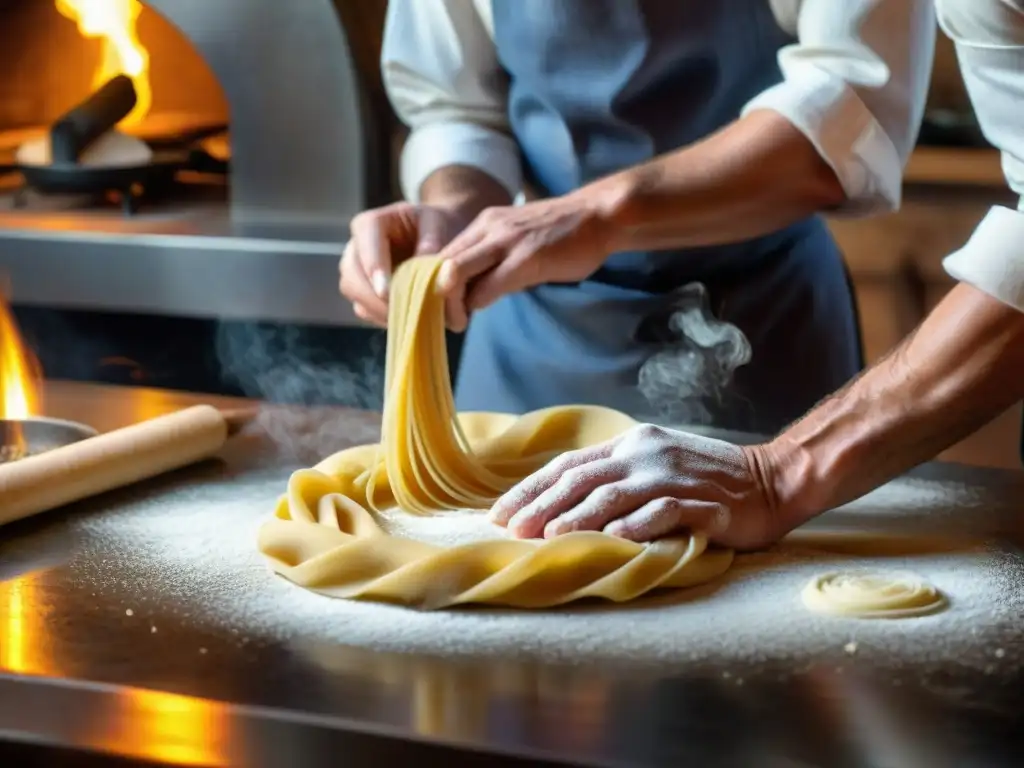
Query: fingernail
x=615 y=529
x=380 y=283
x=444 y=276
x=517 y=528
x=555 y=528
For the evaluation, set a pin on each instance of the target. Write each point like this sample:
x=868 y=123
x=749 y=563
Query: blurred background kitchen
x=212 y=266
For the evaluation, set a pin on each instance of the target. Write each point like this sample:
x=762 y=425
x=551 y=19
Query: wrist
x=789 y=477
x=846 y=446
x=616 y=200
x=462 y=193
x=797 y=484
x=458 y=207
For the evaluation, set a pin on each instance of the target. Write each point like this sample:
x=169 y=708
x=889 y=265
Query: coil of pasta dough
x=327 y=534
x=92 y=466
x=872 y=595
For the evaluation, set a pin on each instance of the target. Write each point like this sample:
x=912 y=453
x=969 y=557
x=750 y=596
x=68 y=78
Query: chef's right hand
x=381 y=239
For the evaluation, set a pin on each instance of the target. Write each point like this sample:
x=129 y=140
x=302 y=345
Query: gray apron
x=597 y=86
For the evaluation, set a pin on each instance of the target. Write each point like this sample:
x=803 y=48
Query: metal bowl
x=26 y=437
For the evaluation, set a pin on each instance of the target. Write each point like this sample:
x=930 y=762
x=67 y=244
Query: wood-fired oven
x=271 y=124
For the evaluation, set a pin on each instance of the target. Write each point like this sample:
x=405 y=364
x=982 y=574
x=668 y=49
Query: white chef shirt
x=855 y=83
x=989 y=39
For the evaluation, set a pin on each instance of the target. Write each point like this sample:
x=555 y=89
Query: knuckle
x=636 y=438
x=675 y=455
x=577 y=474
x=648 y=431
x=515 y=499
x=507 y=230
x=665 y=506
x=360 y=220
x=719 y=519
x=606 y=496
x=566 y=484
x=455 y=271
x=564 y=462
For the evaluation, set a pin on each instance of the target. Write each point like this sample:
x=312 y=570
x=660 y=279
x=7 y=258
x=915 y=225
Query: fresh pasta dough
x=872 y=594
x=327 y=536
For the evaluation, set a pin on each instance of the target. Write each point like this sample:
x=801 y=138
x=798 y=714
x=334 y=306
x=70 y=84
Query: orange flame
x=169 y=728
x=114 y=22
x=21 y=391
x=22 y=638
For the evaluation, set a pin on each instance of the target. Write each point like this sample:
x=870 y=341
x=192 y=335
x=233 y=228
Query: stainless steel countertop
x=168 y=684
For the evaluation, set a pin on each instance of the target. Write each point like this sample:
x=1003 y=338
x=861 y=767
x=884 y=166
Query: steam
x=687 y=382
x=276 y=364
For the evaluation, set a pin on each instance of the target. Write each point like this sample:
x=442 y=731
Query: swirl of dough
x=326 y=535
x=872 y=594
x=324 y=540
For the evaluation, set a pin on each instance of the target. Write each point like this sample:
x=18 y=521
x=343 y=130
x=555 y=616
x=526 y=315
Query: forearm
x=960 y=369
x=463 y=190
x=754 y=177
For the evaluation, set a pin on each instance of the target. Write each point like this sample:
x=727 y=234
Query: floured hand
x=644 y=484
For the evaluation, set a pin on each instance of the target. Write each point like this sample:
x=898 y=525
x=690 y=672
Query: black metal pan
x=70 y=179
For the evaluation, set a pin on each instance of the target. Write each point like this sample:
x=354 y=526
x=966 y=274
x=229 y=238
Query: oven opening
x=107 y=113
x=171 y=168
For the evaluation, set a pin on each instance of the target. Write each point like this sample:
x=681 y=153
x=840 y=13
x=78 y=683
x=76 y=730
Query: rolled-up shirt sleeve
x=441 y=72
x=989 y=40
x=855 y=84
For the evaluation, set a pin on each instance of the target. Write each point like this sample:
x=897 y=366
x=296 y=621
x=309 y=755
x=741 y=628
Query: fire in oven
x=95 y=117
x=189 y=158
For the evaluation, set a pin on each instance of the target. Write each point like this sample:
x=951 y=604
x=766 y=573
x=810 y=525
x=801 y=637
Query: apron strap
x=1022 y=440
x=858 y=329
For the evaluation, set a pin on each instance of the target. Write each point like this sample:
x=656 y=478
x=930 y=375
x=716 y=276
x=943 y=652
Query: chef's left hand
x=645 y=484
x=511 y=248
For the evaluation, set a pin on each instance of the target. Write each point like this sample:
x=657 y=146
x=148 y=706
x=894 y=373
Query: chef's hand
x=380 y=240
x=645 y=484
x=510 y=248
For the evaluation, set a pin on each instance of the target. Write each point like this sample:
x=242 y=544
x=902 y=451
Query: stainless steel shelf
x=188 y=262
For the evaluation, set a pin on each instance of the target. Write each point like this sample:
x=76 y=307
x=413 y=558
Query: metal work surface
x=142 y=624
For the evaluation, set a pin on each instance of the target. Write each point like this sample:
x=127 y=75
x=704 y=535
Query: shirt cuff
x=843 y=130
x=993 y=259
x=436 y=145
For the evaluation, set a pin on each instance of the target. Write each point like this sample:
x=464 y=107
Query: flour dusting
x=195 y=546
x=450 y=529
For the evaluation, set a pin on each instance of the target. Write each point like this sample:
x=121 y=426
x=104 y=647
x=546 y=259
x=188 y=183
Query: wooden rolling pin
x=92 y=466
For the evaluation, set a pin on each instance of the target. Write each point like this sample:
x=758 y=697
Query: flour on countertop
x=197 y=547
